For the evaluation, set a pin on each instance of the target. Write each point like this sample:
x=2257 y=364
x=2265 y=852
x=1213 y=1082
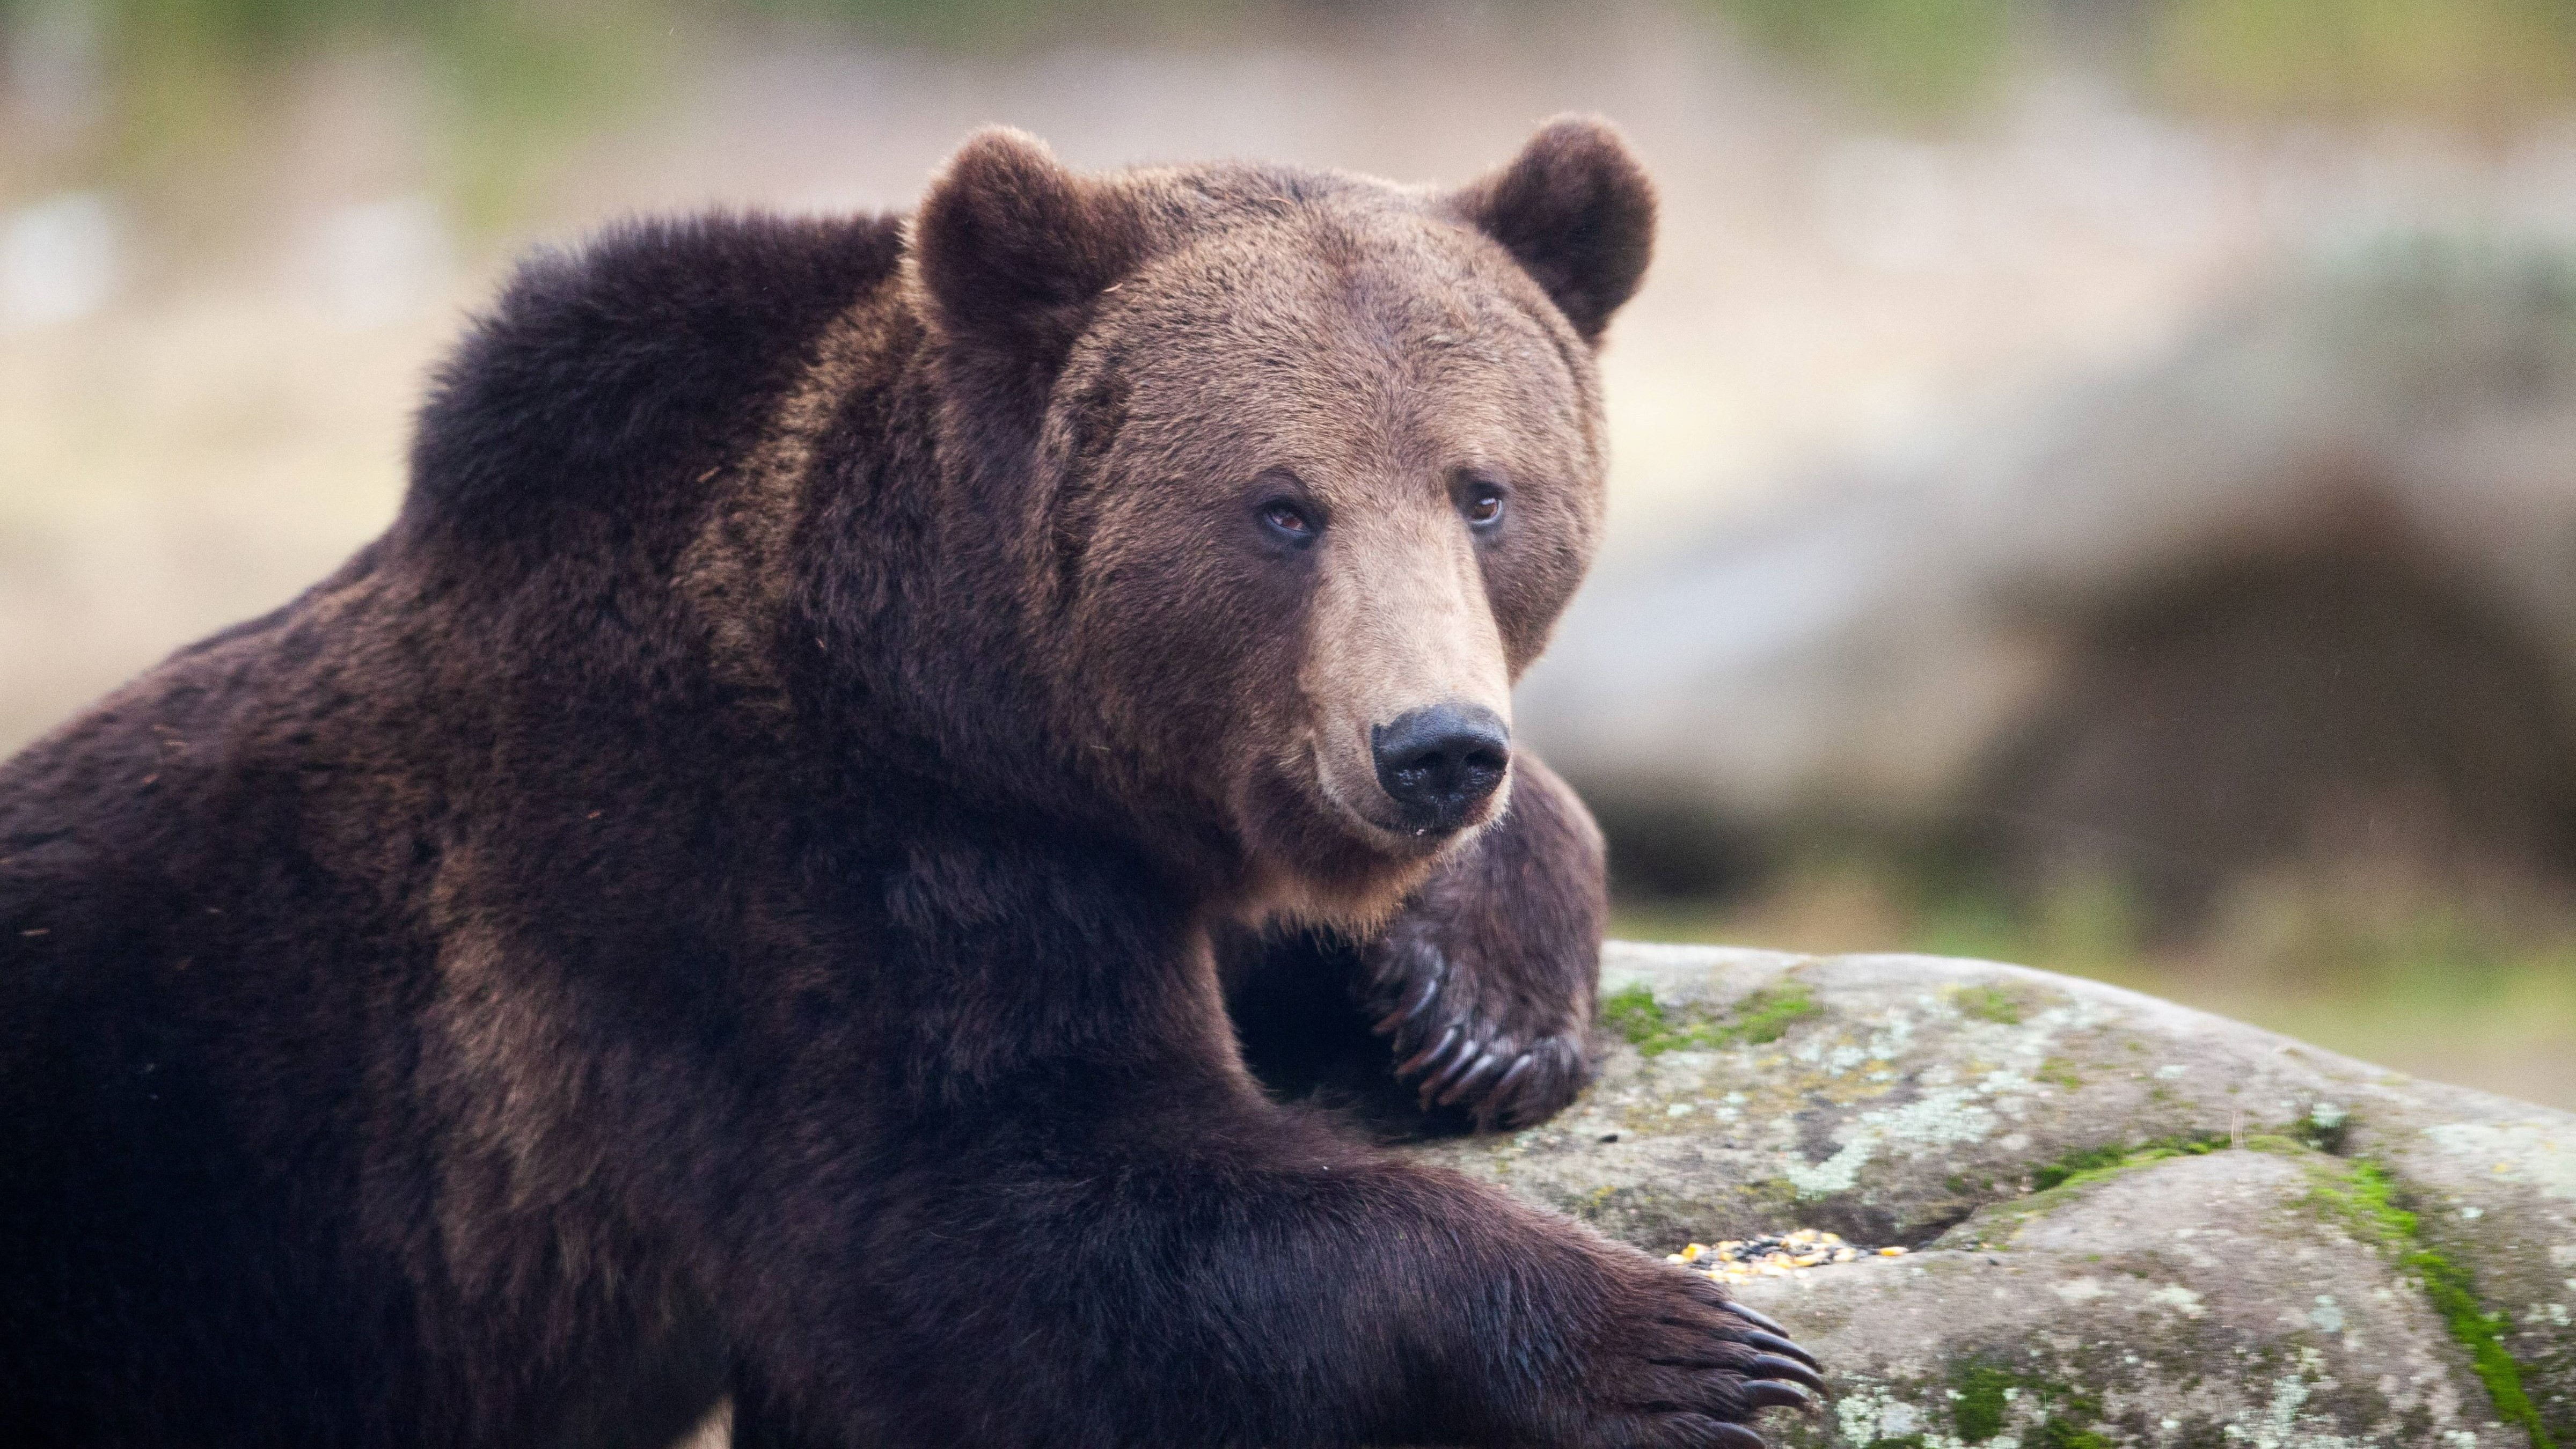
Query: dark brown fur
x=718 y=898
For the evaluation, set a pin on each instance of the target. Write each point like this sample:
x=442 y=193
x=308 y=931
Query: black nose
x=1439 y=764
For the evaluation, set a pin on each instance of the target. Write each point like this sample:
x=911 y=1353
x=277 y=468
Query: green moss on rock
x=2094 y=1163
x=1761 y=1017
x=1990 y=1003
x=2371 y=1202
x=1981 y=1400
x=1977 y=1400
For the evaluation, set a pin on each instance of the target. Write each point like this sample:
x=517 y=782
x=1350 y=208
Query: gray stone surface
x=2219 y=1271
x=2171 y=1305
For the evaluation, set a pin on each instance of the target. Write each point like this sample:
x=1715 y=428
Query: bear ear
x=1577 y=212
x=1013 y=248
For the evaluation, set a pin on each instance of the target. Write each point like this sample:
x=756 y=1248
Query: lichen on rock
x=2135 y=1223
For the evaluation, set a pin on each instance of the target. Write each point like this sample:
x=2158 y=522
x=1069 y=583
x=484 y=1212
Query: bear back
x=608 y=378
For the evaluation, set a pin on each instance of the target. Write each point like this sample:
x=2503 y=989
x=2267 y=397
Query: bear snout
x=1442 y=763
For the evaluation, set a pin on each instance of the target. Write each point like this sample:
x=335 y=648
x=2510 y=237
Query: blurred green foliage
x=2474 y=58
x=2487 y=62
x=517 y=83
x=2483 y=62
x=1907 y=56
x=185 y=80
x=513 y=83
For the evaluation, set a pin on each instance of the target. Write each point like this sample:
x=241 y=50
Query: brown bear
x=721 y=899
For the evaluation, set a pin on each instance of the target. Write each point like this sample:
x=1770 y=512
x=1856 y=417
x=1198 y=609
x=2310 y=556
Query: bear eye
x=1482 y=502
x=1287 y=521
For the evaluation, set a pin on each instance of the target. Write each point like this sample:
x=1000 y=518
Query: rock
x=2130 y=1222
x=2169 y=1306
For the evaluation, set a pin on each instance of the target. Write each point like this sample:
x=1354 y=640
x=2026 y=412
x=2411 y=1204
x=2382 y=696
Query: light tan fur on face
x=1400 y=622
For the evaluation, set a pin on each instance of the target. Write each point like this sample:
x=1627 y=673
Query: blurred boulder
x=2344 y=694
x=2129 y=1222
x=2310 y=578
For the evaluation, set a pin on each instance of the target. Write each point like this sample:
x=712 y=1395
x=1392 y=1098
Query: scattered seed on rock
x=1776 y=1256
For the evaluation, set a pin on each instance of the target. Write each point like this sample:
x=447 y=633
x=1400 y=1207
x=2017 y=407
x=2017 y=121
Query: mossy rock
x=2129 y=1222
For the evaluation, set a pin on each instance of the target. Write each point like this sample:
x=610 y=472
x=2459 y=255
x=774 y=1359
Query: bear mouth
x=1321 y=857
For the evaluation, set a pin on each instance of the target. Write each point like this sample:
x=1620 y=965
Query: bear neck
x=939 y=668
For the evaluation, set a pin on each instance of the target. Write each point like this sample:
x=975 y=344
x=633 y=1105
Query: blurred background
x=2095 y=481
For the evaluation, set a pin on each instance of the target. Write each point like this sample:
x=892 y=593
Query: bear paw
x=1509 y=1061
x=1684 y=1365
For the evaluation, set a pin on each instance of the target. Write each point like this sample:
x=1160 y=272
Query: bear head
x=1304 y=467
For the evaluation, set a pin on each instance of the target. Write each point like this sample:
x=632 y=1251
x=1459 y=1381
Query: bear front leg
x=1485 y=983
x=1198 y=1272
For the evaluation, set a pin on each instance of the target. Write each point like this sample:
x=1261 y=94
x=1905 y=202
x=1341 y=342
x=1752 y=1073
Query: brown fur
x=1396 y=349
x=720 y=899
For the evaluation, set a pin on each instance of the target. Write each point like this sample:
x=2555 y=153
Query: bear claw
x=1406 y=1011
x=1421 y=1059
x=1458 y=1088
x=1761 y=1321
x=1773 y=1394
x=1773 y=1366
x=1774 y=1343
